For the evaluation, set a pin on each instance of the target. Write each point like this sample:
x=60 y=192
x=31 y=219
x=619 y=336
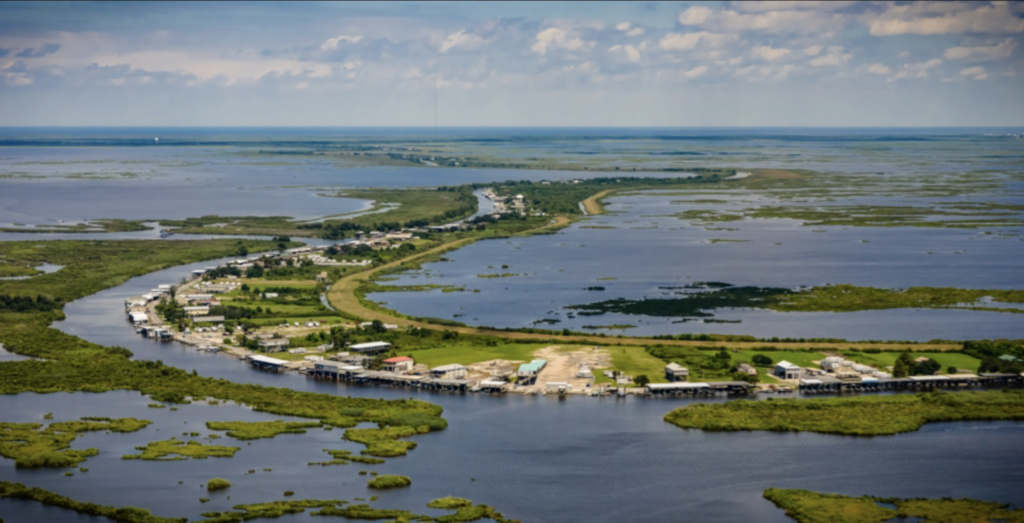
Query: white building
x=676 y=372
x=371 y=347
x=787 y=370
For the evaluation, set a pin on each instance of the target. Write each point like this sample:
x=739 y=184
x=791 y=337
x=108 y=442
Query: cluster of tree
x=28 y=304
x=171 y=310
x=997 y=355
x=222 y=272
x=564 y=198
x=713 y=364
x=906 y=366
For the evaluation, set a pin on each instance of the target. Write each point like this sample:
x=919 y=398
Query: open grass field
x=466 y=354
x=946 y=359
x=801 y=358
x=633 y=361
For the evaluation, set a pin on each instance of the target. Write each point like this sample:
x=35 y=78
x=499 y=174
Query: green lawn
x=801 y=358
x=633 y=361
x=883 y=359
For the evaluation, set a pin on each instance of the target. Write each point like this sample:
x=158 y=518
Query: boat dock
x=828 y=384
x=336 y=371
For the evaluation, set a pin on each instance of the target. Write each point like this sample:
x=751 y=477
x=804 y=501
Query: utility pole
x=435 y=107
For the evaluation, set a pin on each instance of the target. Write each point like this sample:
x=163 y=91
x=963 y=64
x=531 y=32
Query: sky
x=573 y=64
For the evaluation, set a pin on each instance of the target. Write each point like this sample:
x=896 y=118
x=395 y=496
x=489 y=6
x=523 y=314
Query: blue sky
x=685 y=64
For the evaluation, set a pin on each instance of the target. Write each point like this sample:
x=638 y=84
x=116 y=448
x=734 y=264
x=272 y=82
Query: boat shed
x=371 y=347
x=528 y=371
x=138 y=317
x=266 y=362
x=679 y=387
x=449 y=372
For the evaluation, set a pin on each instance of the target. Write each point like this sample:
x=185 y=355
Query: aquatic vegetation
x=344 y=457
x=857 y=416
x=449 y=503
x=811 y=507
x=824 y=298
x=389 y=481
x=269 y=510
x=217 y=484
x=261 y=429
x=157 y=450
x=12 y=490
x=32 y=446
x=384 y=442
x=156 y=406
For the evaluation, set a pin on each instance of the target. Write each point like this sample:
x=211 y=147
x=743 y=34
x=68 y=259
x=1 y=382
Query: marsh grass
x=857 y=416
x=811 y=507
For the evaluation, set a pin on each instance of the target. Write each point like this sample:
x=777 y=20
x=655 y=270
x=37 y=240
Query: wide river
x=539 y=459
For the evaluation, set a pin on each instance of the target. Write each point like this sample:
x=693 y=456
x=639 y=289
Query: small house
x=399 y=364
x=273 y=344
x=449 y=372
x=787 y=370
x=322 y=278
x=676 y=372
x=747 y=369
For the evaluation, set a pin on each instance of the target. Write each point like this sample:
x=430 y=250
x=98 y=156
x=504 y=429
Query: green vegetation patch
x=344 y=457
x=449 y=503
x=811 y=507
x=384 y=442
x=217 y=484
x=825 y=298
x=32 y=446
x=181 y=450
x=389 y=481
x=269 y=510
x=12 y=490
x=261 y=429
x=858 y=416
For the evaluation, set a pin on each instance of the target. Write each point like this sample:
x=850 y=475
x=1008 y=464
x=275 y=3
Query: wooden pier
x=828 y=384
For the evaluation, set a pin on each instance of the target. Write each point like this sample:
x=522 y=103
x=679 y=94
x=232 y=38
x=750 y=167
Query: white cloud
x=631 y=53
x=834 y=57
x=764 y=72
x=813 y=50
x=769 y=53
x=803 y=21
x=879 y=69
x=933 y=18
x=918 y=70
x=332 y=43
x=460 y=39
x=785 y=5
x=556 y=38
x=696 y=72
x=977 y=72
x=995 y=52
x=636 y=31
x=623 y=26
x=686 y=41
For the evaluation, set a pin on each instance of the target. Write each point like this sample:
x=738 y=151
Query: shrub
x=387 y=482
x=217 y=484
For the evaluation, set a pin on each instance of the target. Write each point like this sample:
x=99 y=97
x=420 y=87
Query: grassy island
x=859 y=416
x=159 y=450
x=217 y=484
x=12 y=490
x=811 y=507
x=389 y=481
x=261 y=429
x=32 y=446
x=344 y=457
